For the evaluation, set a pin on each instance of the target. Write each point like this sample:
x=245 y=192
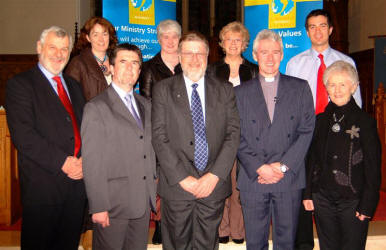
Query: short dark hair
x=319 y=12
x=125 y=46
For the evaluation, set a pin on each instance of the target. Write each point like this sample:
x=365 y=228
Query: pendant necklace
x=102 y=66
x=336 y=127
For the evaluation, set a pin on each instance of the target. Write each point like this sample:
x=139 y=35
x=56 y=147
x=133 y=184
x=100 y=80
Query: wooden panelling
x=11 y=65
x=10 y=206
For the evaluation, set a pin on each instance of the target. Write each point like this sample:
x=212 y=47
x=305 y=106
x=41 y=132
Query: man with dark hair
x=118 y=158
x=195 y=135
x=309 y=65
x=44 y=111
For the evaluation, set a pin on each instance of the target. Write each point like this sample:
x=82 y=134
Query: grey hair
x=59 y=32
x=166 y=26
x=267 y=35
x=341 y=67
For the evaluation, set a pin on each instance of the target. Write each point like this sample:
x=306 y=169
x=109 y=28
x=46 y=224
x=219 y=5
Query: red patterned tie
x=68 y=106
x=321 y=93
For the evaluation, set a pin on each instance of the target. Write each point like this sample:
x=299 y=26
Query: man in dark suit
x=195 y=135
x=119 y=161
x=44 y=111
x=277 y=121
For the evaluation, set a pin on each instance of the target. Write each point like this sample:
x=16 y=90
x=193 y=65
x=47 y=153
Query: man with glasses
x=195 y=127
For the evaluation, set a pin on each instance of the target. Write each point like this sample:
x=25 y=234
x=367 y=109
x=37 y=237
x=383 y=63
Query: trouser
x=336 y=224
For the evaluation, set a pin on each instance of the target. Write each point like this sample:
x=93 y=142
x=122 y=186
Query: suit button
x=292 y=117
x=257 y=138
x=289 y=135
x=144 y=177
x=144 y=157
x=141 y=137
x=191 y=143
x=335 y=157
x=253 y=121
x=265 y=155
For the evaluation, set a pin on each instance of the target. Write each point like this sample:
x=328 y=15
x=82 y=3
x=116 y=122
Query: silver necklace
x=336 y=127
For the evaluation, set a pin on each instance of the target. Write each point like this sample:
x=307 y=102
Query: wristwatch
x=283 y=168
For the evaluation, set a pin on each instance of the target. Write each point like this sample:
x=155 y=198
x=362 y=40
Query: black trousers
x=191 y=224
x=304 y=235
x=55 y=227
x=337 y=226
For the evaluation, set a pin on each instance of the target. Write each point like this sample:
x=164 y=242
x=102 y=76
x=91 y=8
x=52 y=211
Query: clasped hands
x=201 y=187
x=72 y=167
x=269 y=173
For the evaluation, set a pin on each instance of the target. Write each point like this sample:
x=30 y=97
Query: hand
x=72 y=167
x=269 y=174
x=101 y=218
x=361 y=217
x=308 y=205
x=206 y=185
x=189 y=184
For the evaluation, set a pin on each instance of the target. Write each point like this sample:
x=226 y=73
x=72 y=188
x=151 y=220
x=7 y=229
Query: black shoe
x=238 y=241
x=223 y=240
x=157 y=237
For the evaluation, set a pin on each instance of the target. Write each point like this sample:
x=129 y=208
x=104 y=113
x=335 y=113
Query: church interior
x=356 y=25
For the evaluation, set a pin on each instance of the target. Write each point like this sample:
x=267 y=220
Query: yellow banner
x=142 y=12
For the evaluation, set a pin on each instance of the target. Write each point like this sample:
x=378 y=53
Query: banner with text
x=136 y=21
x=286 y=17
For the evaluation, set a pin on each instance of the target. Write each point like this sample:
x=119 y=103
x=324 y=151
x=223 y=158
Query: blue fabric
x=200 y=145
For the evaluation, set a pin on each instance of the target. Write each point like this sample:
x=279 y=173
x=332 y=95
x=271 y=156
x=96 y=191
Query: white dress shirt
x=200 y=89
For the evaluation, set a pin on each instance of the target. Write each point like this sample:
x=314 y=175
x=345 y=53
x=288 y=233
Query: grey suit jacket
x=173 y=137
x=118 y=158
x=285 y=140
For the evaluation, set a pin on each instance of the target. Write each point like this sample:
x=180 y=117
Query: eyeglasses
x=229 y=40
x=192 y=54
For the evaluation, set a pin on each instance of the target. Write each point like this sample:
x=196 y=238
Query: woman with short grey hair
x=165 y=64
x=343 y=165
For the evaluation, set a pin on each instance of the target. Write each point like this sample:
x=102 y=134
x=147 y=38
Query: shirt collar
x=189 y=82
x=48 y=74
x=325 y=53
x=122 y=94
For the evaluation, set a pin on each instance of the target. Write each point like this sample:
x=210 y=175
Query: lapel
x=141 y=109
x=257 y=102
x=211 y=100
x=119 y=107
x=181 y=100
x=49 y=94
x=93 y=68
x=75 y=102
x=281 y=103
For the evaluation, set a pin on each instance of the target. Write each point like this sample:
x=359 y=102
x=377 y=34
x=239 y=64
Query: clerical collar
x=269 y=79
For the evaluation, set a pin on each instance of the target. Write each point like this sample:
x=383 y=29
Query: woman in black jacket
x=343 y=165
x=165 y=64
x=234 y=39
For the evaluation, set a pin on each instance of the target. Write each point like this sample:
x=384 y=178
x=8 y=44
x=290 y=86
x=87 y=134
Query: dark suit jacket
x=42 y=132
x=285 y=140
x=118 y=158
x=85 y=69
x=173 y=136
x=221 y=70
x=152 y=72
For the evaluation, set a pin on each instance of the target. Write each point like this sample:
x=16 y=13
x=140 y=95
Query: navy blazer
x=285 y=140
x=42 y=132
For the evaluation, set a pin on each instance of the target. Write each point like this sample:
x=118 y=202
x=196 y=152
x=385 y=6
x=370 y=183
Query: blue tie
x=200 y=145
